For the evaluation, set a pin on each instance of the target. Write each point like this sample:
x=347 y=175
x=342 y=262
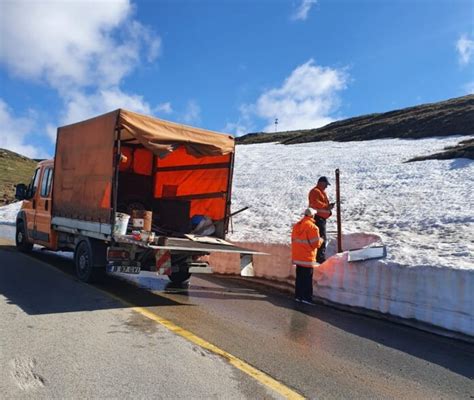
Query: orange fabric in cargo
x=189 y=181
x=142 y=161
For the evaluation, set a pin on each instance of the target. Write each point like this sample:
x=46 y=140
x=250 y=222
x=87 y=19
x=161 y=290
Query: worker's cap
x=324 y=180
x=309 y=212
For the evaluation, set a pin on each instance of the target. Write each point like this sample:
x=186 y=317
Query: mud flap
x=246 y=265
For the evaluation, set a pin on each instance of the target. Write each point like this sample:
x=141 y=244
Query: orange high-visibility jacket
x=305 y=242
x=318 y=200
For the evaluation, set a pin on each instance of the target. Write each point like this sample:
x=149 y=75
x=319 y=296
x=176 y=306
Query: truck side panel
x=84 y=170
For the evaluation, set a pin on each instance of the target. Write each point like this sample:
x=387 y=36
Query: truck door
x=42 y=229
x=29 y=204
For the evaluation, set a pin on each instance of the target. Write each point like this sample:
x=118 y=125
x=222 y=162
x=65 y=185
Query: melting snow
x=422 y=210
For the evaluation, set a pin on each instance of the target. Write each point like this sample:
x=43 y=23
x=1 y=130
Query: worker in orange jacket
x=318 y=200
x=305 y=241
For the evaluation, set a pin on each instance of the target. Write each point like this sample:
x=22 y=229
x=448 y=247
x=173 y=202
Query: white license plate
x=126 y=269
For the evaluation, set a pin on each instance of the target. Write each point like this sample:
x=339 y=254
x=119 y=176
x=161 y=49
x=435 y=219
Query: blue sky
x=230 y=66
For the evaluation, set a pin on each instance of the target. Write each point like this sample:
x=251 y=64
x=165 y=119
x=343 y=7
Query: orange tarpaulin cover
x=160 y=136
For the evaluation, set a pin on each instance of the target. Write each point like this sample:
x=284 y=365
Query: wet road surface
x=62 y=339
x=319 y=351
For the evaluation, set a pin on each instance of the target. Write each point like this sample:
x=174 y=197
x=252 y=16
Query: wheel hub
x=83 y=262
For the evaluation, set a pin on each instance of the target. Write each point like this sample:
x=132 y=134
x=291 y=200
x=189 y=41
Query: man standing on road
x=305 y=241
x=318 y=200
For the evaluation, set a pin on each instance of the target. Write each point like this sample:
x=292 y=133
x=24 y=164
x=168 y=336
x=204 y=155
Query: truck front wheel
x=21 y=239
x=86 y=269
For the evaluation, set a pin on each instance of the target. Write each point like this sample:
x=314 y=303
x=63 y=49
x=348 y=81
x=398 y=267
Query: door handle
x=34 y=203
x=46 y=205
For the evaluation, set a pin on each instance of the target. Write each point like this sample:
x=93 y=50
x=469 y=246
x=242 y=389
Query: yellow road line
x=253 y=372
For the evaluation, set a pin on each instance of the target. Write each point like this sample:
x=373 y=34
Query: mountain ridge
x=445 y=118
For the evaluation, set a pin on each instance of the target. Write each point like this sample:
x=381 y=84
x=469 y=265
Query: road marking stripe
x=253 y=372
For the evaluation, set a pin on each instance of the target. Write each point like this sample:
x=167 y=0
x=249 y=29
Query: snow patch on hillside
x=423 y=210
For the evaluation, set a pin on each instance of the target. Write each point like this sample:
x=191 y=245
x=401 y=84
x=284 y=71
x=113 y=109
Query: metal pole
x=338 y=215
x=116 y=176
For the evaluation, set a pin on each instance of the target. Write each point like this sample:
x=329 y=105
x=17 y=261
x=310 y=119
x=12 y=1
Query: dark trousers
x=321 y=224
x=304 y=283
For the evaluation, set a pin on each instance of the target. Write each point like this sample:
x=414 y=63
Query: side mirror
x=20 y=193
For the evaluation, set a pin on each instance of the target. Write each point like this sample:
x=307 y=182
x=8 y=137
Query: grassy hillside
x=445 y=118
x=14 y=169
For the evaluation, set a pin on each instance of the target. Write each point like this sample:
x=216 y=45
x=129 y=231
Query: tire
x=21 y=240
x=89 y=261
x=179 y=277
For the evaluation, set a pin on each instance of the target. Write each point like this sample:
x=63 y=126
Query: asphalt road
x=60 y=338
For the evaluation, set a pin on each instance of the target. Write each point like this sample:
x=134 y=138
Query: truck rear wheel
x=89 y=267
x=21 y=240
x=179 y=277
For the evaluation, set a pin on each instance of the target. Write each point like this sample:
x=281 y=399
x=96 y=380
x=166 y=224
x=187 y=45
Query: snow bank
x=438 y=296
x=8 y=213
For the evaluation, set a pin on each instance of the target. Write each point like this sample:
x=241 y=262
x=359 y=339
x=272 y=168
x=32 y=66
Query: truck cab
x=33 y=222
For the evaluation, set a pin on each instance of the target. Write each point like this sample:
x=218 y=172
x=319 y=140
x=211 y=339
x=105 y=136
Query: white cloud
x=192 y=114
x=302 y=11
x=244 y=124
x=469 y=87
x=51 y=132
x=465 y=48
x=237 y=128
x=306 y=99
x=65 y=43
x=82 y=49
x=80 y=106
x=164 y=108
x=14 y=133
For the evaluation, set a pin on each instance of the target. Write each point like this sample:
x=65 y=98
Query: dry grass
x=14 y=169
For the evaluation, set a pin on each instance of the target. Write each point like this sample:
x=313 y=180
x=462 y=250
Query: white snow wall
x=438 y=296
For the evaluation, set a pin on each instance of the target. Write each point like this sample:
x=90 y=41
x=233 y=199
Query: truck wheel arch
x=21 y=217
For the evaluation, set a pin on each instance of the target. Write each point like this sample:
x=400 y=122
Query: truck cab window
x=34 y=184
x=46 y=182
